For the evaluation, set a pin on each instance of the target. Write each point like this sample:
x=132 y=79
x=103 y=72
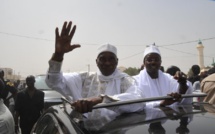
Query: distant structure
x=200 y=48
x=213 y=63
x=9 y=74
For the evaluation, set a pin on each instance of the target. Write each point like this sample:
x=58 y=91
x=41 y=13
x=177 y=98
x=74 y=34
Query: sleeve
x=18 y=102
x=130 y=92
x=69 y=85
x=196 y=86
x=189 y=91
x=153 y=104
x=42 y=100
x=173 y=84
x=13 y=90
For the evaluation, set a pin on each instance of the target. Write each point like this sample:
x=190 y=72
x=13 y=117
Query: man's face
x=107 y=63
x=30 y=81
x=152 y=62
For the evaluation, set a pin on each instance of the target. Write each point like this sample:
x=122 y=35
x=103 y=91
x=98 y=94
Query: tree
x=132 y=71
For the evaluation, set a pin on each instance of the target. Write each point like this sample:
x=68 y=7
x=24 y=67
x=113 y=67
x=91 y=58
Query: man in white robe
x=108 y=84
x=155 y=83
x=7 y=125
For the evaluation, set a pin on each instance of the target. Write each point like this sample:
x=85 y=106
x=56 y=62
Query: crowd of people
x=19 y=109
x=106 y=85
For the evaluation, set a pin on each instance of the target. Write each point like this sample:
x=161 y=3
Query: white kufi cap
x=107 y=48
x=151 y=49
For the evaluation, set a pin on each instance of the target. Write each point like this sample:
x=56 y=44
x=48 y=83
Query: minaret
x=200 y=48
x=213 y=64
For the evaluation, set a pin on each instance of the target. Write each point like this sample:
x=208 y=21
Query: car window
x=48 y=125
x=40 y=83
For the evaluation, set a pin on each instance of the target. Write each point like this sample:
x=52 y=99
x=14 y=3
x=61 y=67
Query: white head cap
x=151 y=49
x=107 y=48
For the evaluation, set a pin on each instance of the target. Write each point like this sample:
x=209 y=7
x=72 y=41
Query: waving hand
x=63 y=41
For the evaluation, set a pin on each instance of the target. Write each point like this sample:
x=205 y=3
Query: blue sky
x=27 y=31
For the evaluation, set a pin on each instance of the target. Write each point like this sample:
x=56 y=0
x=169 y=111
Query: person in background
x=9 y=94
x=86 y=89
x=172 y=70
x=18 y=85
x=202 y=75
x=6 y=119
x=210 y=71
x=154 y=83
x=29 y=106
x=195 y=77
x=208 y=86
x=162 y=68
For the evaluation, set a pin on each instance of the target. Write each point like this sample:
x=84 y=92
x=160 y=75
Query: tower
x=213 y=63
x=200 y=48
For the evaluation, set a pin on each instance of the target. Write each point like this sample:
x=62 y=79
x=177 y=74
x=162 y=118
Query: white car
x=52 y=97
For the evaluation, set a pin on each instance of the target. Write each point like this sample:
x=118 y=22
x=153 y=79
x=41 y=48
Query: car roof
x=40 y=82
x=195 y=118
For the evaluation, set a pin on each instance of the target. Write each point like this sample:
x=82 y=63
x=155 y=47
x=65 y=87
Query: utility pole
x=88 y=67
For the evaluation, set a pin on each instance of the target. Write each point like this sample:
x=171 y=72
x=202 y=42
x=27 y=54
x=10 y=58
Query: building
x=200 y=48
x=10 y=75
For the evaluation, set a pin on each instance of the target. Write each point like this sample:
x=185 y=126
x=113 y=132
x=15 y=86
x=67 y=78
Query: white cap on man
x=151 y=49
x=107 y=48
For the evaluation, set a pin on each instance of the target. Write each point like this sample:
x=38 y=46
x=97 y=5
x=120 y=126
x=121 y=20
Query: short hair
x=172 y=70
x=1 y=71
x=195 y=69
x=30 y=77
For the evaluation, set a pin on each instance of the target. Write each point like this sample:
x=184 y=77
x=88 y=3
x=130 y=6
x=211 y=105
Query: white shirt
x=161 y=86
x=83 y=85
x=7 y=125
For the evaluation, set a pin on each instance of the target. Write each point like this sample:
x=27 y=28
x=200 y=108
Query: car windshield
x=40 y=83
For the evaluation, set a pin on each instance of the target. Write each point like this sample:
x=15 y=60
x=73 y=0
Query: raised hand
x=180 y=75
x=182 y=80
x=176 y=98
x=63 y=41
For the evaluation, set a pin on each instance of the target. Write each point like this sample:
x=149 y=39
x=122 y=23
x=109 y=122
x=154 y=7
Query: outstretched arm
x=63 y=41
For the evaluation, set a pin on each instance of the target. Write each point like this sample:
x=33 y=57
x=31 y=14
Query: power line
x=36 y=38
x=188 y=42
x=185 y=52
x=93 y=44
x=23 y=36
x=163 y=46
x=131 y=56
